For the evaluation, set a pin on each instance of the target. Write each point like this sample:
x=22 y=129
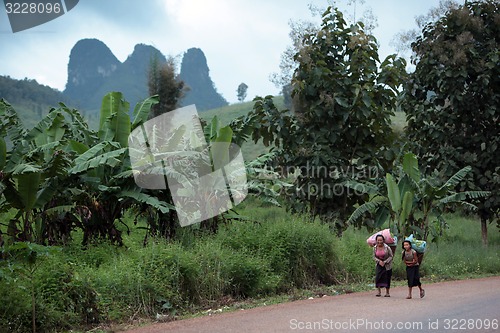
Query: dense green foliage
x=453 y=99
x=343 y=99
x=277 y=253
x=340 y=127
x=61 y=175
x=412 y=203
x=76 y=287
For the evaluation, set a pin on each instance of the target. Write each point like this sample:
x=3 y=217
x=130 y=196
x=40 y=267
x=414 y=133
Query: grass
x=461 y=243
x=227 y=113
x=273 y=257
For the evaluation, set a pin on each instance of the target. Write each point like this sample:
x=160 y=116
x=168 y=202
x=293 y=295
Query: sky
x=242 y=40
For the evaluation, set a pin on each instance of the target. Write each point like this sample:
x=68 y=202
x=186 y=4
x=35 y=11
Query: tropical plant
x=452 y=100
x=410 y=202
x=340 y=126
x=105 y=172
x=61 y=175
x=35 y=179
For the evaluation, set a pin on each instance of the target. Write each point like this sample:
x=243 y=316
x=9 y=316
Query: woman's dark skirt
x=382 y=277
x=413 y=276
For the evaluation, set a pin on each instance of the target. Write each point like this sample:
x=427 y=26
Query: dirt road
x=458 y=306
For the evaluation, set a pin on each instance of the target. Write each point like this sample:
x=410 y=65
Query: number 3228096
x=33 y=8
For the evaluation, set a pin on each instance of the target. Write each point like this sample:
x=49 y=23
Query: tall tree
x=452 y=99
x=300 y=28
x=242 y=92
x=164 y=82
x=343 y=99
x=402 y=40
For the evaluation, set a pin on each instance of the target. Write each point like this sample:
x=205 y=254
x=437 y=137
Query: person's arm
x=390 y=254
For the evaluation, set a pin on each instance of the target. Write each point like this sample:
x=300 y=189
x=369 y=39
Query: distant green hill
x=251 y=150
x=233 y=111
x=32 y=101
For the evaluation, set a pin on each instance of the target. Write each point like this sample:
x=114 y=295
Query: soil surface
x=463 y=306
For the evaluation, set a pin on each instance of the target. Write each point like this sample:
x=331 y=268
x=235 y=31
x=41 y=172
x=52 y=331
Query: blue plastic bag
x=417 y=244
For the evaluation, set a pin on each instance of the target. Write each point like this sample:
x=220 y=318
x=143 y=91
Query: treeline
x=29 y=90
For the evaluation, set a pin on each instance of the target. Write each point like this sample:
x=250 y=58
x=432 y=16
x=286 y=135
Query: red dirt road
x=457 y=306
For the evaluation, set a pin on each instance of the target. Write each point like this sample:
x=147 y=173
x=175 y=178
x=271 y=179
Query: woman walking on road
x=410 y=258
x=382 y=254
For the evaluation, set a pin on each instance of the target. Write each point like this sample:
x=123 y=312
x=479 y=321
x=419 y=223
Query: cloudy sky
x=241 y=39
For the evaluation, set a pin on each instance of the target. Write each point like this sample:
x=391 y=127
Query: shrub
x=300 y=253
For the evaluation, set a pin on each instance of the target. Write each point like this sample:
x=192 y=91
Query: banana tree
x=409 y=201
x=104 y=169
x=173 y=151
x=34 y=174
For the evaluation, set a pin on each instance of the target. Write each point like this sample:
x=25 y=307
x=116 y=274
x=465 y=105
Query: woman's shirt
x=409 y=256
x=380 y=253
x=386 y=255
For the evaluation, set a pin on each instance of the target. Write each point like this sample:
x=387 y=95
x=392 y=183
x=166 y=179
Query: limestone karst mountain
x=93 y=71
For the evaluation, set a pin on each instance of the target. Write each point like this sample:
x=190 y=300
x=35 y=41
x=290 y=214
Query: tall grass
x=271 y=252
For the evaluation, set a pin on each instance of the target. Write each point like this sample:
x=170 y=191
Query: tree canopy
x=242 y=91
x=452 y=98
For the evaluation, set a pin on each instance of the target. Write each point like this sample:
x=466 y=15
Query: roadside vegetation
x=88 y=242
x=271 y=257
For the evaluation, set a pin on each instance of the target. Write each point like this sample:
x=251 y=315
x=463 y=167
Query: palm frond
x=456 y=178
x=367 y=207
x=149 y=200
x=365 y=187
x=460 y=197
x=111 y=159
x=142 y=110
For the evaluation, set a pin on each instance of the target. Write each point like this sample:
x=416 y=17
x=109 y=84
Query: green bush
x=144 y=281
x=238 y=272
x=66 y=300
x=300 y=253
x=15 y=307
x=62 y=300
x=276 y=253
x=355 y=257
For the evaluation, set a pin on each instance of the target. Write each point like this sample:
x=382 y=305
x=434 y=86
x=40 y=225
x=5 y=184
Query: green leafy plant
x=451 y=100
x=409 y=200
x=339 y=125
x=25 y=258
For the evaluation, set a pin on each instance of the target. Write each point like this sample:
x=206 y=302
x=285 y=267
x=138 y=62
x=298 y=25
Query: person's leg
x=409 y=293
x=389 y=277
x=422 y=291
x=379 y=275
